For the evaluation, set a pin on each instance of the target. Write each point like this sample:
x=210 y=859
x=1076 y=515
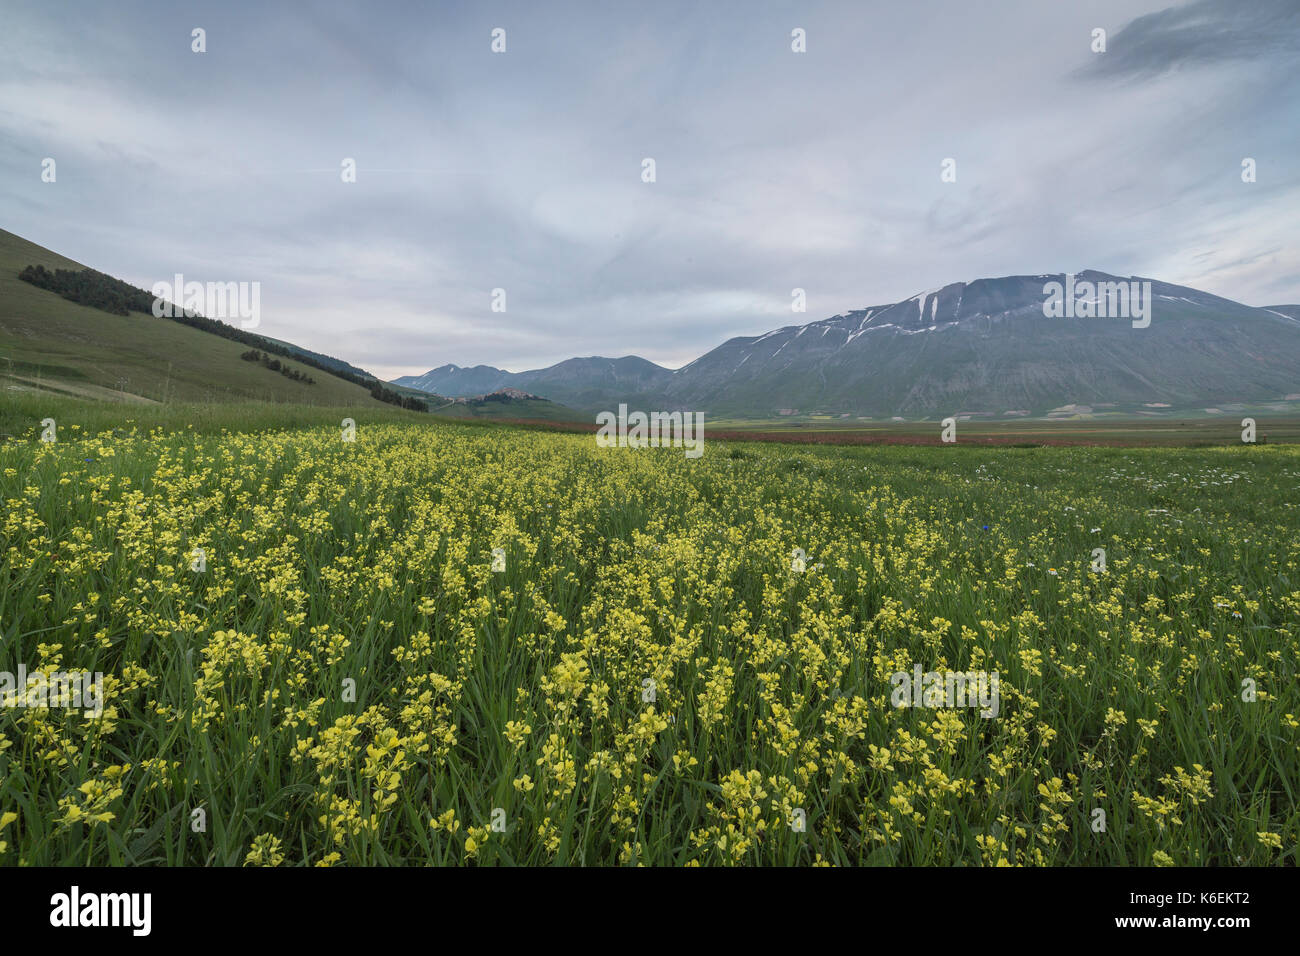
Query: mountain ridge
x=985 y=345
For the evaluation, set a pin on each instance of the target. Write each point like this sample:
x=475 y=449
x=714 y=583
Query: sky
x=523 y=170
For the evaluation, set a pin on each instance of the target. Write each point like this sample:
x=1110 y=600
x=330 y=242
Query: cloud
x=522 y=170
x=1202 y=33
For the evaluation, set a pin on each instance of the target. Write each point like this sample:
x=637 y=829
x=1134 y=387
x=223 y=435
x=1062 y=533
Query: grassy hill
x=48 y=344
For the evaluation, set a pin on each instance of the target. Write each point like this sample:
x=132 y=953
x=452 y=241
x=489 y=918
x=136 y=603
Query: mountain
x=1289 y=311
x=986 y=346
x=983 y=348
x=51 y=344
x=980 y=348
x=456 y=382
x=577 y=382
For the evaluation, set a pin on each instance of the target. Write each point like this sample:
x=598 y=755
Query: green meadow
x=448 y=643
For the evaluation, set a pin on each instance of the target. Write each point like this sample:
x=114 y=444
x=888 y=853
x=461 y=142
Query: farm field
x=466 y=644
x=1222 y=430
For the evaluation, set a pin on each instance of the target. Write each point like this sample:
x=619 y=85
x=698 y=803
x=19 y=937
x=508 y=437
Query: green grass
x=524 y=409
x=47 y=342
x=21 y=414
x=368 y=565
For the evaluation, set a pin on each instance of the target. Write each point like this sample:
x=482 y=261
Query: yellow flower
x=265 y=851
x=1270 y=839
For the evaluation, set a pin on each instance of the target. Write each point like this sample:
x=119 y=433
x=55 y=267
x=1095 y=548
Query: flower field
x=455 y=644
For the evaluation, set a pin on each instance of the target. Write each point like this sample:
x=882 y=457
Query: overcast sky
x=522 y=170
